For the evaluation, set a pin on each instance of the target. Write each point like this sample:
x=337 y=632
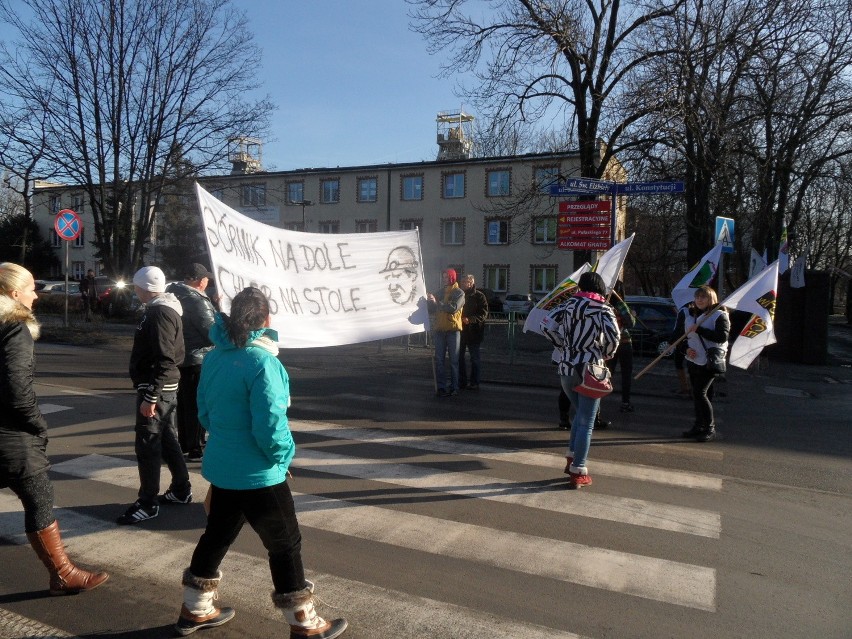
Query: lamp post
x=303 y=204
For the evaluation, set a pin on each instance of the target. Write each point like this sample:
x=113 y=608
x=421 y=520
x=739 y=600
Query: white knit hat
x=151 y=279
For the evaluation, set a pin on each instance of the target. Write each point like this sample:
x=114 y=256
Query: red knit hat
x=451 y=275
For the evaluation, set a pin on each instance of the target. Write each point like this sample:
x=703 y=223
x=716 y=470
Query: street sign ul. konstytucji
x=68 y=225
x=642 y=188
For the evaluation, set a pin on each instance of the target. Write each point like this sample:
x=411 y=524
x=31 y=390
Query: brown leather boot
x=65 y=577
x=304 y=621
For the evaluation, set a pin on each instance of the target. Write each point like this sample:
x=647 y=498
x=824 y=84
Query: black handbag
x=715 y=358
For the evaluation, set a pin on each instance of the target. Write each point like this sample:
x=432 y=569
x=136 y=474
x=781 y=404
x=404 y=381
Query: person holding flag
x=706 y=325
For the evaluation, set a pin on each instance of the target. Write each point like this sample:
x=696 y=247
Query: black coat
x=475 y=309
x=23 y=429
x=198 y=316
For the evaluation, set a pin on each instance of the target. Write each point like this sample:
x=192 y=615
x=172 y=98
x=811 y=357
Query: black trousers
x=190 y=432
x=36 y=495
x=702 y=394
x=271 y=513
x=156 y=442
x=623 y=356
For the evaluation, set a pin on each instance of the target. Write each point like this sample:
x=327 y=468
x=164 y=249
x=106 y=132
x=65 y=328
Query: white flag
x=557 y=296
x=323 y=290
x=610 y=263
x=757 y=296
x=757 y=264
x=703 y=272
x=797 y=273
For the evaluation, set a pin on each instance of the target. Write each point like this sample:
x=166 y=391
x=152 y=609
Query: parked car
x=518 y=303
x=115 y=298
x=655 y=321
x=54 y=288
x=47 y=285
x=495 y=302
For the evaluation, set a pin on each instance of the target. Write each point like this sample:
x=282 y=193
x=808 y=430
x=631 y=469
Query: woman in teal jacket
x=243 y=396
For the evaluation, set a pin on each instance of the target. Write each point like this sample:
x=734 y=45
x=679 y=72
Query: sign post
x=68 y=227
x=725 y=237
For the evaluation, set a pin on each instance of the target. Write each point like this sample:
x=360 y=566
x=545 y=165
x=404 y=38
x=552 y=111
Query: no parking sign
x=68 y=225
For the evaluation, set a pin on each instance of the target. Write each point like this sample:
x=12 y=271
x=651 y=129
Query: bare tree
x=123 y=84
x=561 y=63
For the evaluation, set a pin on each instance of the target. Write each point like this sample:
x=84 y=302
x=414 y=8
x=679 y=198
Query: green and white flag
x=702 y=273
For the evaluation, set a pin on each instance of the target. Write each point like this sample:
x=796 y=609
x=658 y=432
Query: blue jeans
x=447 y=345
x=585 y=409
x=157 y=441
x=271 y=513
x=473 y=349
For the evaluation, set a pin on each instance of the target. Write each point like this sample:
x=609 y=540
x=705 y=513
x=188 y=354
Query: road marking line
x=160 y=558
x=439 y=444
x=553 y=497
x=47 y=409
x=647 y=577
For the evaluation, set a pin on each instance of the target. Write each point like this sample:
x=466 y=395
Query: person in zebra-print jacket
x=584 y=329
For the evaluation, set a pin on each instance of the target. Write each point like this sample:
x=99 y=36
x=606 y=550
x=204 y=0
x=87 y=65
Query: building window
x=496 y=232
x=78 y=270
x=77 y=203
x=80 y=240
x=545 y=176
x=498 y=183
x=330 y=191
x=367 y=189
x=55 y=241
x=366 y=226
x=295 y=192
x=410 y=225
x=496 y=277
x=330 y=226
x=412 y=187
x=544 y=230
x=55 y=204
x=543 y=279
x=452 y=232
x=453 y=185
x=219 y=194
x=253 y=195
x=293 y=226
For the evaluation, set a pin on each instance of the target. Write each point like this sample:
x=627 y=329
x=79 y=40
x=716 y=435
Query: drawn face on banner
x=401 y=274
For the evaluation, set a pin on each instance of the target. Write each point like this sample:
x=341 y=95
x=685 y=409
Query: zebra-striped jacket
x=583 y=329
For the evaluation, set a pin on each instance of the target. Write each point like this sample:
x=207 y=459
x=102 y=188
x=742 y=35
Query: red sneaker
x=576 y=481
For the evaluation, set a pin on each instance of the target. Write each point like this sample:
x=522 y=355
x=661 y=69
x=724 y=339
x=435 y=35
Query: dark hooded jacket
x=23 y=429
x=197 y=318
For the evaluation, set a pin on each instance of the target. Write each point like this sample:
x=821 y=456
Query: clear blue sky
x=354 y=85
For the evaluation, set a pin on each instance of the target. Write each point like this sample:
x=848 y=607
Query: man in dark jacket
x=198 y=316
x=157 y=351
x=474 y=314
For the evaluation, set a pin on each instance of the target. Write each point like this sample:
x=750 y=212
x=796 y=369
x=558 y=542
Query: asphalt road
x=450 y=518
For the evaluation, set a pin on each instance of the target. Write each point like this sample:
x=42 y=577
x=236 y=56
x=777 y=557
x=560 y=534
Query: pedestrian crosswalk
x=338 y=452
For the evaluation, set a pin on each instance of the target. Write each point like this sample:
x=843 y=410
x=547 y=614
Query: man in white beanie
x=157 y=350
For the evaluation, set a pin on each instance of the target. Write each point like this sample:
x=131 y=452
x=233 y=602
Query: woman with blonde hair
x=707 y=327
x=23 y=433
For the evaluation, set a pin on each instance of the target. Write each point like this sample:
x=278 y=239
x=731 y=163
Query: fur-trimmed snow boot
x=65 y=577
x=304 y=621
x=198 y=610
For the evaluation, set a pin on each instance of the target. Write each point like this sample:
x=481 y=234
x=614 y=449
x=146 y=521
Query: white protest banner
x=757 y=264
x=797 y=273
x=323 y=290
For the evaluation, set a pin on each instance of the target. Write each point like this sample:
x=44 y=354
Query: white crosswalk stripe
x=651 y=578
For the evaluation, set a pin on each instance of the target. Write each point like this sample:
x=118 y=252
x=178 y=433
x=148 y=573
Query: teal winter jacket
x=243 y=396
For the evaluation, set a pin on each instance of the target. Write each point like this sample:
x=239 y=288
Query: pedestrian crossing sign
x=725 y=233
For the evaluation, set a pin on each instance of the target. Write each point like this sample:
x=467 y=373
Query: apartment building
x=493 y=217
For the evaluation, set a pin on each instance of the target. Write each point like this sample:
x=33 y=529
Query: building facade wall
x=454 y=231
